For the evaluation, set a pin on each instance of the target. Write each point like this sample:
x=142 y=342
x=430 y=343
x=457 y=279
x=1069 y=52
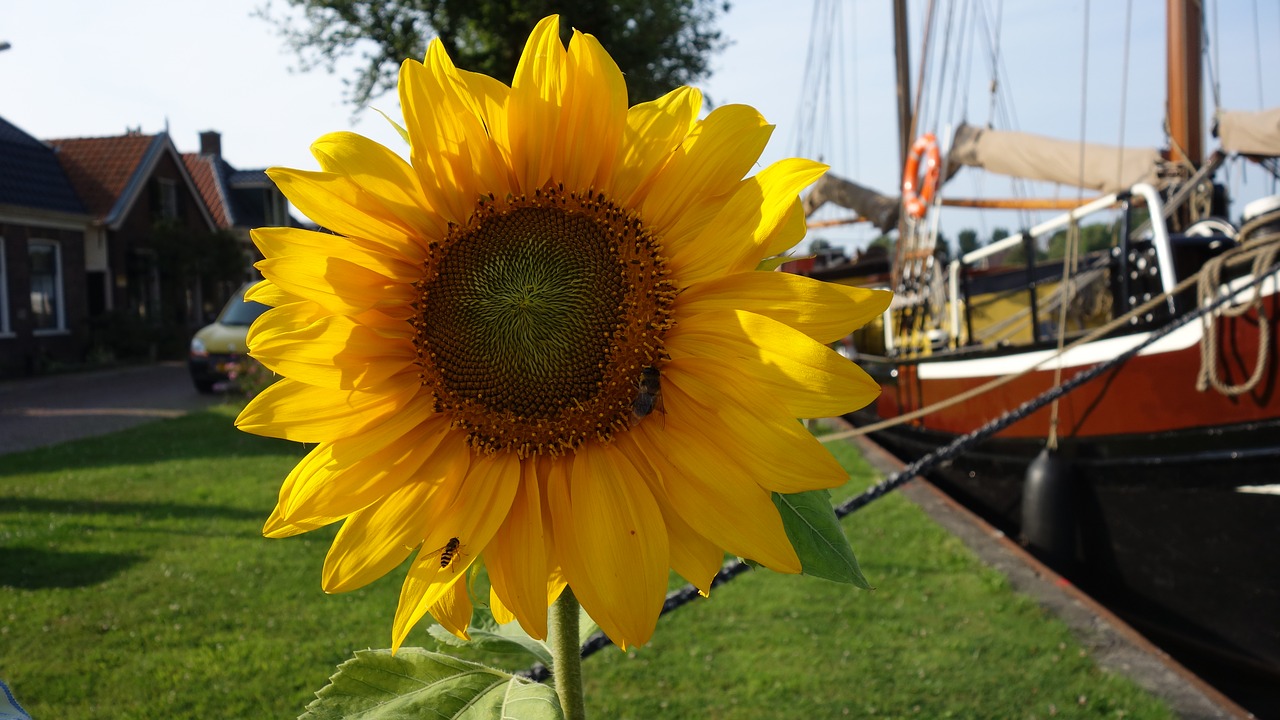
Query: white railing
x=1159 y=240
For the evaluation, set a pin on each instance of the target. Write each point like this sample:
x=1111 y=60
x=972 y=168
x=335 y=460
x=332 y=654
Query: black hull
x=1165 y=536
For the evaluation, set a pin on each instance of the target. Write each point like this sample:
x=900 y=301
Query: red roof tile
x=100 y=168
x=201 y=168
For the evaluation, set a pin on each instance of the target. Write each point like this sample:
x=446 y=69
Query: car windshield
x=239 y=312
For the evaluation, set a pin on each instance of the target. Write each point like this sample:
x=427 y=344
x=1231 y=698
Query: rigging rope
x=1124 y=88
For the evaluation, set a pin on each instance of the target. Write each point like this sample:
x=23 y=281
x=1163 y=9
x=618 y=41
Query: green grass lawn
x=134 y=583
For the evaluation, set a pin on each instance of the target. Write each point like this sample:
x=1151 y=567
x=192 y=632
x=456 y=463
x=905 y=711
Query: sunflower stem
x=566 y=652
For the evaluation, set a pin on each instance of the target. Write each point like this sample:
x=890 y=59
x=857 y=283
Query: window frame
x=6 y=329
x=60 y=310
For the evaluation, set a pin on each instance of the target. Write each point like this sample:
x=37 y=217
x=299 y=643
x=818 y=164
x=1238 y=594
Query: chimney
x=211 y=143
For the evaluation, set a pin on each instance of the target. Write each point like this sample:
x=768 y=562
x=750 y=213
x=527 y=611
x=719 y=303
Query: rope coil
x=1261 y=252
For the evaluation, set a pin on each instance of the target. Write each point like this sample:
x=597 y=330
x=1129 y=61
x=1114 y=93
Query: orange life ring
x=916 y=202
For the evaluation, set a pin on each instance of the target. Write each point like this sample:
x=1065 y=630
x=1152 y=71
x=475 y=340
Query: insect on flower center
x=537 y=318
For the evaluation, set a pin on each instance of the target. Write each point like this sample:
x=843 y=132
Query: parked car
x=217 y=348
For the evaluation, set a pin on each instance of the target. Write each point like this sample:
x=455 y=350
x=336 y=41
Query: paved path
x=55 y=408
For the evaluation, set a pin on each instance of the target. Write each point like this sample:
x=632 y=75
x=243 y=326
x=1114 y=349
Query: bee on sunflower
x=468 y=349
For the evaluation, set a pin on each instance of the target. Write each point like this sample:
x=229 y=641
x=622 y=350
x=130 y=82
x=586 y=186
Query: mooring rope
x=1263 y=251
x=733 y=568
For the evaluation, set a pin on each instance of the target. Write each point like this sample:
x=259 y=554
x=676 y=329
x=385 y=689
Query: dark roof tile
x=30 y=175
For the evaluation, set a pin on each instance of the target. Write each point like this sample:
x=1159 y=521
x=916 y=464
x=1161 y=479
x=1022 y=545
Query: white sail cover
x=1106 y=169
x=1250 y=133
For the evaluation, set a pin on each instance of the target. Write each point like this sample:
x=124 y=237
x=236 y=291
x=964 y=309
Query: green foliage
x=817 y=537
x=1093 y=237
x=494 y=640
x=135 y=583
x=884 y=241
x=658 y=44
x=968 y=239
x=415 y=683
x=1017 y=255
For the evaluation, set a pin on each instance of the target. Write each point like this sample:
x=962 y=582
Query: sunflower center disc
x=537 y=319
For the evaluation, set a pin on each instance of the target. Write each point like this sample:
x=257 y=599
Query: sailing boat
x=1155 y=486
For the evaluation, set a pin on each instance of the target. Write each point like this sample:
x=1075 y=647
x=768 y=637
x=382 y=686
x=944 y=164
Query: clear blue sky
x=96 y=68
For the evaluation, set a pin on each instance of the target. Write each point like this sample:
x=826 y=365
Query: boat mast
x=1185 y=109
x=902 y=57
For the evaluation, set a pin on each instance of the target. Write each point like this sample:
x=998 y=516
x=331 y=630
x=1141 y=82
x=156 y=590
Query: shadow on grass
x=144 y=510
x=27 y=568
x=206 y=434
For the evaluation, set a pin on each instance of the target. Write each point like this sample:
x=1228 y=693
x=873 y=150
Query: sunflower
x=542 y=344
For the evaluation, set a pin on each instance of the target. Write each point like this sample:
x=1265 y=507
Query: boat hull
x=1174 y=493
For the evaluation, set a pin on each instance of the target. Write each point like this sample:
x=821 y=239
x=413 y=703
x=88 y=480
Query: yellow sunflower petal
x=337 y=285
x=616 y=524
x=712 y=160
x=491 y=98
x=376 y=539
x=693 y=556
x=824 y=311
x=336 y=202
x=291 y=410
x=756 y=209
x=336 y=352
x=268 y=294
x=384 y=175
x=732 y=512
x=473 y=517
x=654 y=129
x=594 y=115
x=811 y=379
x=762 y=440
x=453 y=610
x=534 y=105
x=451 y=151
x=785 y=236
x=517 y=557
x=287 y=241
x=339 y=478
x=501 y=614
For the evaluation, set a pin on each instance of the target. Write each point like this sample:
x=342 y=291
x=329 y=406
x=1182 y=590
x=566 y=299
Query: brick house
x=44 y=231
x=134 y=185
x=238 y=200
x=115 y=248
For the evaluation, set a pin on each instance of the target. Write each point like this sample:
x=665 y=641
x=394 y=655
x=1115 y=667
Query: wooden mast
x=1185 y=107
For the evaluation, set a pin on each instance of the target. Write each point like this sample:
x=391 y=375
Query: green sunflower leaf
x=817 y=537
x=586 y=626
x=775 y=262
x=509 y=639
x=416 y=683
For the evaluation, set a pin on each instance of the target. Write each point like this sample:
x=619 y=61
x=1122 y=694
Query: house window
x=166 y=198
x=46 y=286
x=4 y=293
x=277 y=208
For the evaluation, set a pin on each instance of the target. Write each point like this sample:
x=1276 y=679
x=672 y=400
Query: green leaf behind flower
x=816 y=535
x=415 y=683
x=509 y=639
x=773 y=263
